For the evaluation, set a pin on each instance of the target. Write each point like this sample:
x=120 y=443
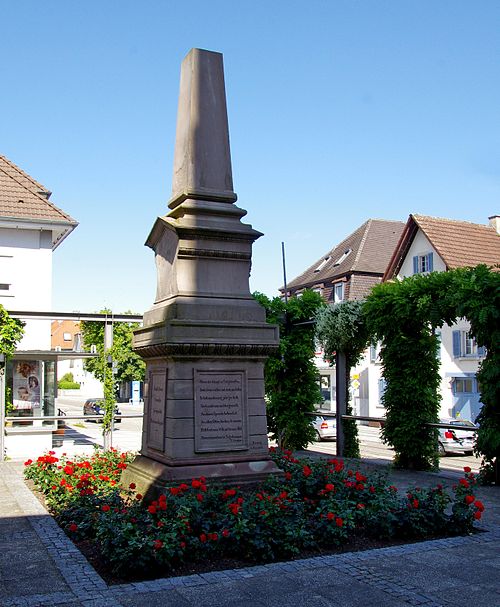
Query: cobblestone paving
x=39 y=566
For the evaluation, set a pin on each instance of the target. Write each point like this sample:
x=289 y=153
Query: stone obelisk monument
x=205 y=340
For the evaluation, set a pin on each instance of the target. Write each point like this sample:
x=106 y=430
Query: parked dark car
x=95 y=406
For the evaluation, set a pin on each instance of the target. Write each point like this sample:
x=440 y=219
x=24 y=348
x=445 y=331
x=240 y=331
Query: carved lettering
x=221 y=422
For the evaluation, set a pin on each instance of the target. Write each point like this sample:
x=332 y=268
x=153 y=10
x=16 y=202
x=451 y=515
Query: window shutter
x=456 y=344
x=381 y=389
x=481 y=351
x=415 y=264
x=429 y=262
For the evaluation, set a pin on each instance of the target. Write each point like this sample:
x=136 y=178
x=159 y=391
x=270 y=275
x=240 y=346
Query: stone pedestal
x=205 y=340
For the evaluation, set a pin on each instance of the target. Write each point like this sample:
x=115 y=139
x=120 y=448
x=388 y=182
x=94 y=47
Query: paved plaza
x=39 y=566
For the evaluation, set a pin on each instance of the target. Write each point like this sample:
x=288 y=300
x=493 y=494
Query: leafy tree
x=292 y=387
x=127 y=365
x=342 y=328
x=11 y=332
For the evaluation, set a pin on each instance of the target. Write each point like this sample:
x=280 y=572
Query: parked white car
x=326 y=427
x=454 y=440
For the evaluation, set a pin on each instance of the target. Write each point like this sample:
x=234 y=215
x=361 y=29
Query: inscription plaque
x=220 y=411
x=157 y=400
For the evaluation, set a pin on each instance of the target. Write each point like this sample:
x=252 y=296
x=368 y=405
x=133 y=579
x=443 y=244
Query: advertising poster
x=26 y=385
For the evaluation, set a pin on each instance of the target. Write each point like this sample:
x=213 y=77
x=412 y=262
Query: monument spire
x=202 y=159
x=205 y=340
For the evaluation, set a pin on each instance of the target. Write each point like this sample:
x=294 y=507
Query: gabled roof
x=23 y=199
x=459 y=243
x=370 y=248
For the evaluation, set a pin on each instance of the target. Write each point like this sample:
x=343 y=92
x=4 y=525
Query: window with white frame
x=375 y=352
x=338 y=292
x=382 y=385
x=6 y=271
x=465 y=385
x=423 y=263
x=465 y=346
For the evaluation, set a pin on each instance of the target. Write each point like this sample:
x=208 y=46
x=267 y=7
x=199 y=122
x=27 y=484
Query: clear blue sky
x=339 y=110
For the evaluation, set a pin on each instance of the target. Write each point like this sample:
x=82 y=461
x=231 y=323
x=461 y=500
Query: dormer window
x=322 y=264
x=342 y=257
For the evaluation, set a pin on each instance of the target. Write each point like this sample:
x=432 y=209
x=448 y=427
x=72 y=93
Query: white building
x=430 y=244
x=31 y=228
x=348 y=272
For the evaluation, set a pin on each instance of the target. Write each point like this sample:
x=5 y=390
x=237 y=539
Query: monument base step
x=151 y=476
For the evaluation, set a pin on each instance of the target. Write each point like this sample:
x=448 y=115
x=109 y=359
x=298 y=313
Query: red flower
x=464 y=483
x=138 y=496
x=360 y=477
x=234 y=507
x=330 y=487
x=479 y=505
x=121 y=465
x=196 y=484
x=157 y=544
x=360 y=506
x=415 y=503
x=28 y=462
x=199 y=497
x=477 y=514
x=105 y=508
x=152 y=509
x=73 y=527
x=469 y=499
x=360 y=486
x=339 y=522
x=182 y=545
x=132 y=486
x=213 y=536
x=288 y=476
x=225 y=532
x=330 y=516
x=69 y=470
x=467 y=469
x=203 y=538
x=229 y=493
x=306 y=471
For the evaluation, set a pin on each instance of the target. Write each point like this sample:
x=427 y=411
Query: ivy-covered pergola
x=404 y=316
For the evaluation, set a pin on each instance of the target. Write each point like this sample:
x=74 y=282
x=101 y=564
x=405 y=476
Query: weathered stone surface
x=205 y=339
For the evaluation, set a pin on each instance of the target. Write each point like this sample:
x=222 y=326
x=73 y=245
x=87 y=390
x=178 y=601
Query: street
x=80 y=436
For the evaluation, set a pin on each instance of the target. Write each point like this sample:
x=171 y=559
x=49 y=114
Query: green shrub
x=316 y=503
x=68 y=385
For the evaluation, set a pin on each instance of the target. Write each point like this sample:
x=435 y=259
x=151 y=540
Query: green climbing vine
x=342 y=328
x=291 y=378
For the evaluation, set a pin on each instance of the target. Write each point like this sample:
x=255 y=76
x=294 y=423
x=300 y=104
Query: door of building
x=466 y=398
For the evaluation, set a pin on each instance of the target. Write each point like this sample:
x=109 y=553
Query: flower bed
x=317 y=505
